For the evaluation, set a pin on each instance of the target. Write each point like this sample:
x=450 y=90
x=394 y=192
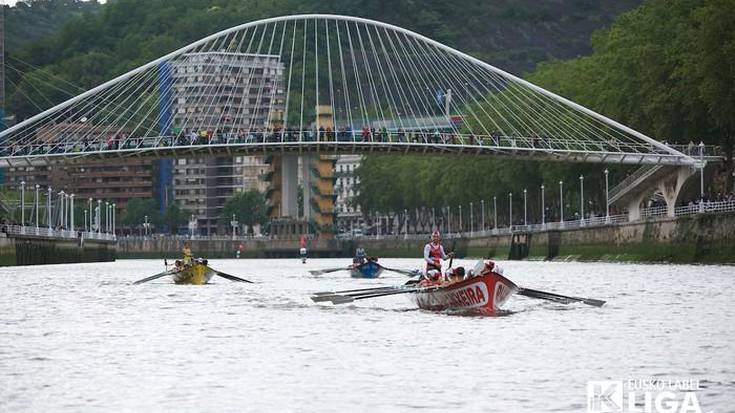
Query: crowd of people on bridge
x=70 y=141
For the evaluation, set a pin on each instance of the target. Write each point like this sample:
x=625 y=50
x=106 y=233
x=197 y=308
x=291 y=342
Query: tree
x=248 y=207
x=173 y=217
x=136 y=211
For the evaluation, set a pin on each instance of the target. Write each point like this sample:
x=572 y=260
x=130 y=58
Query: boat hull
x=484 y=294
x=195 y=274
x=369 y=269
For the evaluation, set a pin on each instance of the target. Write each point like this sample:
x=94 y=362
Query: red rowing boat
x=483 y=294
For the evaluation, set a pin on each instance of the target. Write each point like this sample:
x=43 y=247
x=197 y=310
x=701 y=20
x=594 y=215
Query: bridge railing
x=45 y=232
x=67 y=145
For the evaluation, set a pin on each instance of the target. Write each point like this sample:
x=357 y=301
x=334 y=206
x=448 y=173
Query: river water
x=82 y=338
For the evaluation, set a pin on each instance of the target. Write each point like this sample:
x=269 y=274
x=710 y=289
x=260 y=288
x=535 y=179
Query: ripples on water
x=82 y=338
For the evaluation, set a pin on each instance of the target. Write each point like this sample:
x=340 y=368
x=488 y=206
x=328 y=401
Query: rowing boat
x=368 y=269
x=484 y=294
x=196 y=273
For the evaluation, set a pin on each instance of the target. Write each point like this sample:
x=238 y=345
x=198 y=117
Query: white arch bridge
x=324 y=84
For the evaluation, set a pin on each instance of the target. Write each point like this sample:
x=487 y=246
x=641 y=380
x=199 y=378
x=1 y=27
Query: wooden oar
x=344 y=299
x=351 y=291
x=153 y=277
x=328 y=270
x=231 y=277
x=544 y=295
x=411 y=273
x=319 y=297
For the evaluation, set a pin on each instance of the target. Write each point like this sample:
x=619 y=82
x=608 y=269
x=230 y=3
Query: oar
x=328 y=270
x=558 y=297
x=411 y=273
x=351 y=291
x=153 y=277
x=232 y=277
x=344 y=299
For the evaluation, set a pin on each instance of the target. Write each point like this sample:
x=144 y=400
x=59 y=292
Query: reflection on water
x=82 y=338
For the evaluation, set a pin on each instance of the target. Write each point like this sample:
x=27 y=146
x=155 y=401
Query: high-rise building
x=348 y=214
x=217 y=96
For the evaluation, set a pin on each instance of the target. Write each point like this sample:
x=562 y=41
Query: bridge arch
x=361 y=86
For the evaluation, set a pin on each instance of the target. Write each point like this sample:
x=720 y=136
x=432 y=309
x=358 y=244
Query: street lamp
x=98 y=216
x=525 y=207
x=114 y=205
x=482 y=204
x=234 y=227
x=90 y=215
x=62 y=203
x=561 y=204
x=107 y=217
x=449 y=221
x=543 y=208
x=48 y=209
x=472 y=224
x=36 y=201
x=405 y=222
x=510 y=210
x=581 y=200
x=23 y=203
x=607 y=197
x=495 y=214
x=86 y=228
x=71 y=213
x=701 y=176
x=146 y=225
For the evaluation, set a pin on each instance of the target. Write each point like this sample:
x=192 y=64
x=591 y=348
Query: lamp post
x=510 y=211
x=71 y=213
x=561 y=204
x=37 y=199
x=62 y=212
x=495 y=214
x=449 y=221
x=581 y=200
x=90 y=215
x=701 y=176
x=86 y=227
x=543 y=208
x=146 y=225
x=525 y=207
x=22 y=203
x=98 y=216
x=607 y=197
x=113 y=217
x=48 y=209
x=461 y=227
x=234 y=227
x=482 y=206
x=405 y=223
x=107 y=217
x=472 y=218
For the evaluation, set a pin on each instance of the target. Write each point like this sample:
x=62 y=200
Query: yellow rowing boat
x=196 y=273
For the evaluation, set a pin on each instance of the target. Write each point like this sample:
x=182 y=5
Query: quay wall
x=707 y=238
x=31 y=250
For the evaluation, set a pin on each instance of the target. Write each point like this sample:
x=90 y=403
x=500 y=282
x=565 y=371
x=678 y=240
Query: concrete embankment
x=694 y=239
x=31 y=250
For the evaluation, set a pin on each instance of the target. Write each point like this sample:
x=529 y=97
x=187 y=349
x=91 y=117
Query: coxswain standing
x=433 y=254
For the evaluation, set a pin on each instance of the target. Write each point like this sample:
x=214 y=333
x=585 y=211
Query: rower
x=359 y=256
x=455 y=275
x=186 y=252
x=434 y=253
